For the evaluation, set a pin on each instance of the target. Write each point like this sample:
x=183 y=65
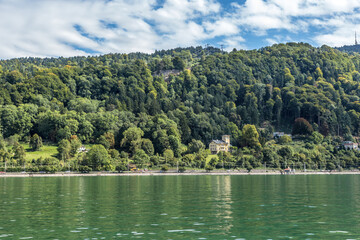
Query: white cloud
x=63 y=28
x=77 y=27
x=222 y=27
x=330 y=21
x=234 y=42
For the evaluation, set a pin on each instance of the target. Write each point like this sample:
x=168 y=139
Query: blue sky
x=52 y=28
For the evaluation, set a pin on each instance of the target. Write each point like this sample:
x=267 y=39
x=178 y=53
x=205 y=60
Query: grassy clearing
x=46 y=151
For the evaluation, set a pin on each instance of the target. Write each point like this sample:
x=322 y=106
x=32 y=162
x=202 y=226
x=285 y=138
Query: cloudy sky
x=51 y=28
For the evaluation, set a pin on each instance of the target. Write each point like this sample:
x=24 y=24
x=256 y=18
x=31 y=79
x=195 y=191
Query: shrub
x=209 y=168
x=181 y=169
x=84 y=169
x=165 y=168
x=121 y=168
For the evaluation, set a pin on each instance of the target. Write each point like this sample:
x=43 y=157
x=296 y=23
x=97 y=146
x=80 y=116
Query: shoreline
x=170 y=173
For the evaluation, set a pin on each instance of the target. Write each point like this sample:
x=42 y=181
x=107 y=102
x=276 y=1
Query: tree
x=19 y=153
x=107 y=140
x=269 y=156
x=316 y=137
x=64 y=149
x=250 y=137
x=75 y=144
x=141 y=159
x=285 y=152
x=147 y=146
x=284 y=139
x=132 y=139
x=302 y=127
x=168 y=155
x=195 y=146
x=35 y=142
x=97 y=157
x=178 y=63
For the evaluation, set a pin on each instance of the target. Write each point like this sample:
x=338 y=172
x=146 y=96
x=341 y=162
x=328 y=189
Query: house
x=350 y=145
x=278 y=134
x=223 y=145
x=82 y=149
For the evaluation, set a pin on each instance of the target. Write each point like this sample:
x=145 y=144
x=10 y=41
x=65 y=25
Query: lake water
x=181 y=207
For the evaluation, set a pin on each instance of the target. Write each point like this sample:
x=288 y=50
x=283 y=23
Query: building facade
x=350 y=145
x=223 y=145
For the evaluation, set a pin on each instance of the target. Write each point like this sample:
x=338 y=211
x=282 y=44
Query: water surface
x=181 y=207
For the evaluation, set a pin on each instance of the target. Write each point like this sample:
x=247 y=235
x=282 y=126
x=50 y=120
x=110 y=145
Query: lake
x=181 y=207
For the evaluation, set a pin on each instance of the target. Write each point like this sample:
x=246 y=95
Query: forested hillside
x=178 y=100
x=349 y=48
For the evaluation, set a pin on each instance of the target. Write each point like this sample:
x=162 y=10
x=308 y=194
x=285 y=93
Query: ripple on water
x=5 y=235
x=198 y=224
x=338 y=232
x=122 y=234
x=183 y=230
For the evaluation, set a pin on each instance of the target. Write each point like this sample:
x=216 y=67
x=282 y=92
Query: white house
x=350 y=145
x=278 y=134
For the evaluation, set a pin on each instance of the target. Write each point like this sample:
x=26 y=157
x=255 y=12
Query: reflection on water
x=181 y=207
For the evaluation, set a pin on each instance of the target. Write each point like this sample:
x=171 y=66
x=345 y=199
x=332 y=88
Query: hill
x=349 y=48
x=125 y=100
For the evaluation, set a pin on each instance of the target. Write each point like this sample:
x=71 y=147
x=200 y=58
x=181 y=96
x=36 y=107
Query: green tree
x=35 y=142
x=19 y=153
x=284 y=139
x=250 y=137
x=178 y=63
x=64 y=149
x=168 y=155
x=132 y=139
x=107 y=140
x=97 y=157
x=75 y=144
x=147 y=146
x=316 y=137
x=141 y=159
x=195 y=146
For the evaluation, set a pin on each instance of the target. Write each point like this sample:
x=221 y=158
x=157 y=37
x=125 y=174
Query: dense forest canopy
x=171 y=99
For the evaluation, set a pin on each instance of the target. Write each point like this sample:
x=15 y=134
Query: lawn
x=46 y=151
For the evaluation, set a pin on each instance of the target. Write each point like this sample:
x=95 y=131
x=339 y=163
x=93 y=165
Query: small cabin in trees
x=349 y=145
x=278 y=134
x=223 y=145
x=82 y=149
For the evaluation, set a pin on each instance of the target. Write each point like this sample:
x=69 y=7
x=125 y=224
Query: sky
x=53 y=28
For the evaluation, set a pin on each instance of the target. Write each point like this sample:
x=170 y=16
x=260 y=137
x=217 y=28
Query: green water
x=181 y=207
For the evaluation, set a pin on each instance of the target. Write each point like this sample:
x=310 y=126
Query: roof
x=219 y=141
